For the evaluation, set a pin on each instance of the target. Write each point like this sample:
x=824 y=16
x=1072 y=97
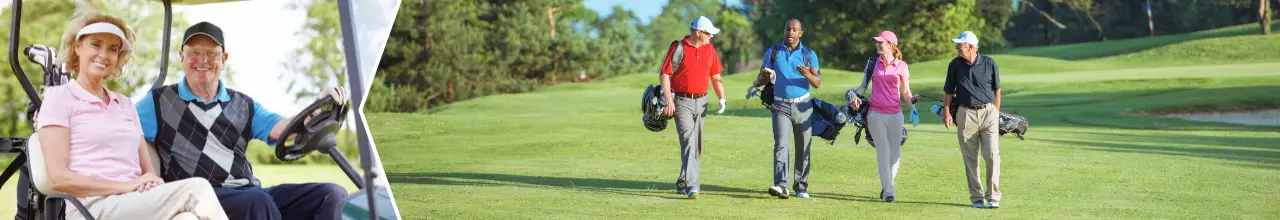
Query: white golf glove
x=338 y=94
x=773 y=76
x=722 y=103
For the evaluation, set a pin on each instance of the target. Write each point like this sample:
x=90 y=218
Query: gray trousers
x=977 y=132
x=793 y=119
x=690 y=117
x=887 y=131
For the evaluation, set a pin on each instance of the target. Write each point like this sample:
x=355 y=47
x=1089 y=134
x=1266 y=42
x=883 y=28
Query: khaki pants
x=977 y=131
x=191 y=198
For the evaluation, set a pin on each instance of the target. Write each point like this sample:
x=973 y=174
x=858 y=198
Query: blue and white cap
x=967 y=37
x=704 y=24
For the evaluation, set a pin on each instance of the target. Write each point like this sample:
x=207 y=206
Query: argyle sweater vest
x=195 y=139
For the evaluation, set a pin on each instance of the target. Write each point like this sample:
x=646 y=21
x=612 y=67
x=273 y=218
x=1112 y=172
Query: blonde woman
x=93 y=142
x=890 y=85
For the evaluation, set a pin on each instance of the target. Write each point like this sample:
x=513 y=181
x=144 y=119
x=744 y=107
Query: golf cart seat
x=39 y=170
x=41 y=180
x=42 y=186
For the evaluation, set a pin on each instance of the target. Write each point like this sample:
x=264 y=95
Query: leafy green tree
x=840 y=31
x=43 y=22
x=320 y=60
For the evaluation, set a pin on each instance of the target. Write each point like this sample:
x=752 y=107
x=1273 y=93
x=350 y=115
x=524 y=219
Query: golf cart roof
x=197 y=2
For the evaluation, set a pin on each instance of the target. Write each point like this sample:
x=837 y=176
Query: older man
x=973 y=88
x=201 y=129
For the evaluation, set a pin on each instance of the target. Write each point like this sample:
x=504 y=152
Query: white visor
x=104 y=27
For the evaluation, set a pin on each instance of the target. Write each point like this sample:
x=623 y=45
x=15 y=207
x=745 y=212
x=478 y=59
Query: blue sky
x=646 y=10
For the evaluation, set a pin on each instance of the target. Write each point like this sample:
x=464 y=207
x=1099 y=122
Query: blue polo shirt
x=262 y=122
x=790 y=83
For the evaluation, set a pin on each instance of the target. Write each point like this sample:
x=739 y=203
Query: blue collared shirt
x=261 y=123
x=790 y=83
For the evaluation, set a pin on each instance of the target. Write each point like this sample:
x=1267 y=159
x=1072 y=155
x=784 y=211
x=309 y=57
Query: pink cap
x=887 y=36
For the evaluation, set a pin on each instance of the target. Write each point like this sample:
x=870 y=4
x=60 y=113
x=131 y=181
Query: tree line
x=441 y=52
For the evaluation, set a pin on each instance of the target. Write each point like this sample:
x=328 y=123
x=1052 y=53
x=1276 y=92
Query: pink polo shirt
x=886 y=98
x=104 y=136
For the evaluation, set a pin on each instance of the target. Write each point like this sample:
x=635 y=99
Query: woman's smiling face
x=98 y=54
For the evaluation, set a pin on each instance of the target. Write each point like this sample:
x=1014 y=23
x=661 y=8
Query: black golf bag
x=1010 y=122
x=859 y=120
x=652 y=104
x=54 y=75
x=860 y=115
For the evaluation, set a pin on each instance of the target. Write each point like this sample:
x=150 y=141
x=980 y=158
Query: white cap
x=704 y=24
x=104 y=27
x=967 y=37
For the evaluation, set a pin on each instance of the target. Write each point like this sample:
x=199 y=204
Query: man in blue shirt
x=201 y=129
x=793 y=69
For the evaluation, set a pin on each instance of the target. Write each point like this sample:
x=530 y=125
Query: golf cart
x=35 y=193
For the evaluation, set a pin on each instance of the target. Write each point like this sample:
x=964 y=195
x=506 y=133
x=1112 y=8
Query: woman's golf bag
x=54 y=75
x=860 y=115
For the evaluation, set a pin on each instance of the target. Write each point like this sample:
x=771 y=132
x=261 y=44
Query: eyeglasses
x=203 y=56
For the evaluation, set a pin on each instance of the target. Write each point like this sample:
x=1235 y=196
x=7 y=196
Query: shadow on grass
x=876 y=200
x=1268 y=158
x=624 y=187
x=1190 y=139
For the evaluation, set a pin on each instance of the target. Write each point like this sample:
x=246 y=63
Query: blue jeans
x=286 y=201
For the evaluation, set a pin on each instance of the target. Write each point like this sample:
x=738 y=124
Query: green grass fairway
x=579 y=151
x=269 y=174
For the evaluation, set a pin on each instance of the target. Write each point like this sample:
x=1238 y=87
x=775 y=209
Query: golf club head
x=753 y=91
x=41 y=54
x=45 y=57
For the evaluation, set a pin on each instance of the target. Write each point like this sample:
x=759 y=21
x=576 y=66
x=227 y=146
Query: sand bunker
x=1267 y=117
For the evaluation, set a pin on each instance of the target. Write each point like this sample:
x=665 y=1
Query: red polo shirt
x=695 y=71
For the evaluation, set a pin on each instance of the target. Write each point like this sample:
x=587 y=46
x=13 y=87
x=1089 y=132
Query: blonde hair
x=71 y=59
x=897 y=54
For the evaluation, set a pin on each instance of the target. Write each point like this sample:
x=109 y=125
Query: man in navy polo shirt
x=793 y=68
x=973 y=88
x=201 y=129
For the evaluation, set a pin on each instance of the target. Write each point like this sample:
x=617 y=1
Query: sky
x=646 y=10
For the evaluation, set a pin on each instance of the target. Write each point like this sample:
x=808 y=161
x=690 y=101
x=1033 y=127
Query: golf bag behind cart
x=28 y=199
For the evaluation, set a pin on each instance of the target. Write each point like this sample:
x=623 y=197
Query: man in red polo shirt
x=686 y=86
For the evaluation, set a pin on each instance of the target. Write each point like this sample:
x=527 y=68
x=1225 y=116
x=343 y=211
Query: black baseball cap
x=207 y=29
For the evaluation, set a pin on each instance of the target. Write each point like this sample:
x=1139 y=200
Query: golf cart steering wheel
x=326 y=116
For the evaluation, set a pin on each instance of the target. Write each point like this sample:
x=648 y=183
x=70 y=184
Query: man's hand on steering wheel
x=338 y=94
x=313 y=128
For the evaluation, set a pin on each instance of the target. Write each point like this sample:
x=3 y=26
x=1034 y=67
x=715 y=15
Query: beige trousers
x=191 y=198
x=977 y=131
